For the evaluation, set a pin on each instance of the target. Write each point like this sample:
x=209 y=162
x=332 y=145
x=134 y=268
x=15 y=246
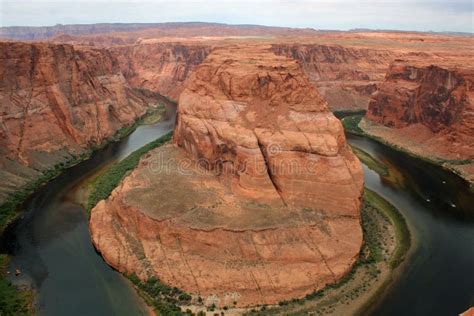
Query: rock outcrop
x=262 y=117
x=257 y=201
x=427 y=109
x=345 y=76
x=469 y=312
x=438 y=97
x=56 y=100
x=160 y=67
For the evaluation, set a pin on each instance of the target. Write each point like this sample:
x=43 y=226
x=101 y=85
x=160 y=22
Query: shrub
x=351 y=124
x=164 y=298
x=12 y=300
x=184 y=297
x=108 y=181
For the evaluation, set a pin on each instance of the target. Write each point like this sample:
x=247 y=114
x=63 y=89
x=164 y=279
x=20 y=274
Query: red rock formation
x=345 y=76
x=160 y=67
x=233 y=110
x=435 y=96
x=56 y=100
x=428 y=109
x=260 y=201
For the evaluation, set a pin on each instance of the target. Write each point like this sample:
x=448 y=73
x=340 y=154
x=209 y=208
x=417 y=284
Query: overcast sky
x=422 y=15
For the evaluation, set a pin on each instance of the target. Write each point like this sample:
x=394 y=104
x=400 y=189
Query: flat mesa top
x=250 y=58
x=194 y=197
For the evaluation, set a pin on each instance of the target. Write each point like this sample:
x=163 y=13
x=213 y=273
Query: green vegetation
x=401 y=228
x=371 y=162
x=340 y=114
x=8 y=210
x=154 y=116
x=150 y=117
x=165 y=300
x=351 y=124
x=13 y=301
x=106 y=182
x=371 y=258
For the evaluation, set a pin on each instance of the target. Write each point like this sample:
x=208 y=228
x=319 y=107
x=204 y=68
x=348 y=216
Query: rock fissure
x=264 y=154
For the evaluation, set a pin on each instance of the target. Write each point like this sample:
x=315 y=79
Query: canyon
x=159 y=67
x=57 y=101
x=257 y=199
x=429 y=110
x=268 y=208
x=346 y=77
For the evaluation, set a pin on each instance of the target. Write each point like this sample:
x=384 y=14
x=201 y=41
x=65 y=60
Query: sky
x=419 y=15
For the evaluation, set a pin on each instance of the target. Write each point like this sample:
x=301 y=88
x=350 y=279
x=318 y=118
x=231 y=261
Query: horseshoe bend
x=256 y=199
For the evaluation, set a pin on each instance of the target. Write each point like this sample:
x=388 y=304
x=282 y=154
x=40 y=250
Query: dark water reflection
x=51 y=244
x=438 y=279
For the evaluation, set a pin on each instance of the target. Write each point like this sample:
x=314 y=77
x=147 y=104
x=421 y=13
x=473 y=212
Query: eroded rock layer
x=259 y=111
x=160 y=67
x=427 y=109
x=345 y=76
x=257 y=201
x=56 y=100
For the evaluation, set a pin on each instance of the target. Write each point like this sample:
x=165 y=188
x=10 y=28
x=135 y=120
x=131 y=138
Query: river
x=51 y=244
x=438 y=278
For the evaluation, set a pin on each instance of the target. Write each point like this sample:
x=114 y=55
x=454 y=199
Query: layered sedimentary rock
x=345 y=76
x=257 y=201
x=160 y=67
x=427 y=109
x=56 y=100
x=232 y=110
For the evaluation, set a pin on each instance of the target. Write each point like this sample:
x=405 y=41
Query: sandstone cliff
x=257 y=202
x=345 y=76
x=160 y=67
x=427 y=109
x=270 y=112
x=56 y=100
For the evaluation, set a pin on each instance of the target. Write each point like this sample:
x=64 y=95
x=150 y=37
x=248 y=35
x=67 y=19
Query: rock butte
x=258 y=199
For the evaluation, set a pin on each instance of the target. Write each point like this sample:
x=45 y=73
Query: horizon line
x=362 y=29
